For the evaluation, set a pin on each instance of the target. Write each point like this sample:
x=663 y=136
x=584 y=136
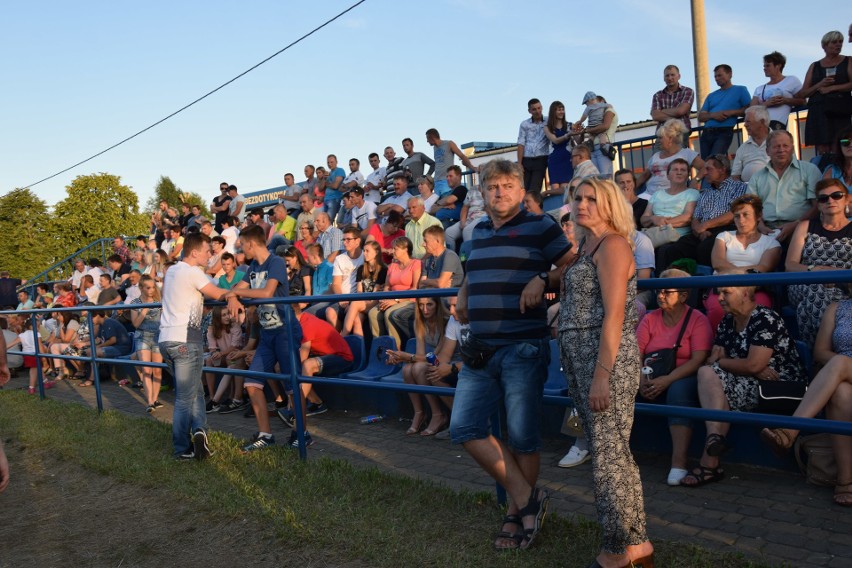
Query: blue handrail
x=43 y=276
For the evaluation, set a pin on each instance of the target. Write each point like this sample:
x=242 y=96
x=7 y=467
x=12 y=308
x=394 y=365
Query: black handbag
x=474 y=352
x=779 y=397
x=663 y=361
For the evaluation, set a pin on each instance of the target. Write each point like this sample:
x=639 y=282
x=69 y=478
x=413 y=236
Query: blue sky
x=79 y=77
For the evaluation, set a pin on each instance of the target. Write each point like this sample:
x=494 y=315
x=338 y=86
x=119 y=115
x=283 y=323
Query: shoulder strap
x=682 y=329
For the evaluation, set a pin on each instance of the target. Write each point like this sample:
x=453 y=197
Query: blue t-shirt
x=732 y=98
x=111 y=328
x=334 y=194
x=322 y=278
x=271 y=316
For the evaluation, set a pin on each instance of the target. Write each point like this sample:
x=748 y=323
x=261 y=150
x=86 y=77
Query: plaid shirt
x=664 y=99
x=715 y=202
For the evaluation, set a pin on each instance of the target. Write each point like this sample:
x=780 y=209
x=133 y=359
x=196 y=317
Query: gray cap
x=589 y=96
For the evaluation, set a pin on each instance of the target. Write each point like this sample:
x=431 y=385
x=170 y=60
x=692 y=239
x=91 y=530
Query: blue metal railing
x=810 y=424
x=45 y=275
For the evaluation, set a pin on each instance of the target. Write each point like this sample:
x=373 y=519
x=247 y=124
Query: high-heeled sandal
x=778 y=440
x=416 y=425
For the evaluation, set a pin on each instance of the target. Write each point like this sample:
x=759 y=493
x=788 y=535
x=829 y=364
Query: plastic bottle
x=432 y=359
x=372 y=419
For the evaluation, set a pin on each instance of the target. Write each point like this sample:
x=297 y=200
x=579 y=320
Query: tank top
x=444 y=158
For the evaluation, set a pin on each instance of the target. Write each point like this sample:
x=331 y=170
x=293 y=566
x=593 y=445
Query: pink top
x=400 y=278
x=653 y=334
x=230 y=340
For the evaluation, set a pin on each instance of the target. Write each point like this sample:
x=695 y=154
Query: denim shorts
x=147 y=341
x=515 y=375
x=333 y=365
x=272 y=347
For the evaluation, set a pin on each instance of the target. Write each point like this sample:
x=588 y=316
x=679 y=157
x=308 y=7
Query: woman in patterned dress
x=751 y=343
x=831 y=389
x=823 y=243
x=600 y=357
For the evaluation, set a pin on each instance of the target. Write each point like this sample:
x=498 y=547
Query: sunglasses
x=836 y=196
x=846 y=142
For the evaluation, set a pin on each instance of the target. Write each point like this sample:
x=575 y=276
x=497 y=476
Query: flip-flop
x=85 y=384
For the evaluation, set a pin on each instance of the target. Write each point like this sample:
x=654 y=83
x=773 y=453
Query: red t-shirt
x=385 y=241
x=325 y=340
x=652 y=334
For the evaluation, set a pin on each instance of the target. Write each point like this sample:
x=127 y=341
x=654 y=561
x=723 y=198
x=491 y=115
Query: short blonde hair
x=674 y=128
x=612 y=206
x=831 y=36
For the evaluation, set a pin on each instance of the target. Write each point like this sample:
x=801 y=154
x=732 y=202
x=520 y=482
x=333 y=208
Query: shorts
x=30 y=362
x=113 y=352
x=272 y=347
x=333 y=365
x=147 y=341
x=515 y=374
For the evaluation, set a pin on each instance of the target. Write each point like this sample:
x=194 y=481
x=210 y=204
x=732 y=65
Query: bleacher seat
x=376 y=366
x=807 y=357
x=356 y=344
x=410 y=347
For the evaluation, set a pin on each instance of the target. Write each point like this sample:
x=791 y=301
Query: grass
x=323 y=509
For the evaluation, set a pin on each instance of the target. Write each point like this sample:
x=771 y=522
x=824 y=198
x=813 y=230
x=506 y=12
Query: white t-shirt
x=453 y=330
x=643 y=253
x=430 y=201
x=362 y=215
x=183 y=304
x=357 y=177
x=231 y=234
x=786 y=87
x=738 y=255
x=76 y=277
x=346 y=267
x=658 y=167
x=27 y=341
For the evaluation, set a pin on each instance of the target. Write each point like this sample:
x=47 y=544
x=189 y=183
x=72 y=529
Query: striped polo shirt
x=501 y=263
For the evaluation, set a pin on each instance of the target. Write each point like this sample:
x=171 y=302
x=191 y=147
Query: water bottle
x=432 y=359
x=372 y=419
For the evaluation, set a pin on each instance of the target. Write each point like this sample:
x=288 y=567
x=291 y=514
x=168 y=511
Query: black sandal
x=703 y=475
x=716 y=445
x=515 y=537
x=537 y=506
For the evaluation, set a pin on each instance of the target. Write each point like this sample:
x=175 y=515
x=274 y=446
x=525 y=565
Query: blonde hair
x=612 y=207
x=673 y=128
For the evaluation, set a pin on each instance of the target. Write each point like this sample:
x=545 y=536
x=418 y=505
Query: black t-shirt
x=460 y=192
x=639 y=208
x=221 y=215
x=8 y=293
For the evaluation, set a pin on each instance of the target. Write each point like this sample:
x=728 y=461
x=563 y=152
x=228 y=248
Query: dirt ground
x=58 y=514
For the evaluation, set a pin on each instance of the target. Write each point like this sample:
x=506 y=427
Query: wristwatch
x=811 y=268
x=544 y=276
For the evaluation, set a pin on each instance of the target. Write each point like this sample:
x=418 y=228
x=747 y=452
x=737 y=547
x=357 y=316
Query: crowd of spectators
x=403 y=228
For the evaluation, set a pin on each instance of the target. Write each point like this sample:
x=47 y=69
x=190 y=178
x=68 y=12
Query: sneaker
x=212 y=406
x=138 y=385
x=233 y=406
x=199 y=443
x=49 y=384
x=314 y=409
x=287 y=417
x=294 y=440
x=258 y=442
x=575 y=457
x=188 y=455
x=157 y=404
x=31 y=390
x=675 y=475
x=150 y=409
x=123 y=382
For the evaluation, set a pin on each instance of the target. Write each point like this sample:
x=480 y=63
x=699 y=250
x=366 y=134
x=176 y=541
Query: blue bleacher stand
x=356 y=344
x=377 y=366
x=410 y=347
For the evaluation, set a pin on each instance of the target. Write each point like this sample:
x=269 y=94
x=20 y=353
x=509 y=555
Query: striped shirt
x=715 y=202
x=531 y=137
x=664 y=99
x=501 y=263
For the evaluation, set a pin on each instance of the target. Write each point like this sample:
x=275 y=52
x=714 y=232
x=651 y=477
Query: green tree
x=97 y=206
x=167 y=191
x=27 y=245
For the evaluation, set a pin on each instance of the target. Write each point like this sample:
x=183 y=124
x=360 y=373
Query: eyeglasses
x=350 y=239
x=836 y=196
x=846 y=142
x=304 y=228
x=666 y=292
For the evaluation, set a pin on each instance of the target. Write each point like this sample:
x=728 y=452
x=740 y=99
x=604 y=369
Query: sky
x=80 y=76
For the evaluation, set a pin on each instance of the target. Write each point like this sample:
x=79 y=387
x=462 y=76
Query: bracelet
x=601 y=365
x=412 y=358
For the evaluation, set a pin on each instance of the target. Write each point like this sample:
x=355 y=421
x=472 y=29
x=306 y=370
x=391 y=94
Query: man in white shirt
x=79 y=272
x=291 y=194
x=398 y=201
x=230 y=233
x=751 y=156
x=343 y=274
x=363 y=212
x=355 y=177
x=181 y=344
x=375 y=182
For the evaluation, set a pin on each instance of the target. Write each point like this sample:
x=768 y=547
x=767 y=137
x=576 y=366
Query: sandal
x=416 y=425
x=80 y=375
x=85 y=383
x=843 y=494
x=702 y=476
x=716 y=445
x=537 y=506
x=515 y=538
x=432 y=431
x=778 y=440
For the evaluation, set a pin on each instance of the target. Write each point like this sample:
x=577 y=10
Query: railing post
x=295 y=376
x=36 y=343
x=93 y=360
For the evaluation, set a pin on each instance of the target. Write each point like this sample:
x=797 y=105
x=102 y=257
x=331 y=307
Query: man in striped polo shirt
x=502 y=299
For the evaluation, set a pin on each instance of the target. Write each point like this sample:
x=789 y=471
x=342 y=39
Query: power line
x=201 y=98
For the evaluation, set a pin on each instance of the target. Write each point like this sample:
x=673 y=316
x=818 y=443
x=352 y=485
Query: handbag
x=663 y=361
x=815 y=456
x=779 y=397
x=661 y=235
x=475 y=353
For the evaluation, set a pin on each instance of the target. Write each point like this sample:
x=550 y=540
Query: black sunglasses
x=845 y=142
x=836 y=196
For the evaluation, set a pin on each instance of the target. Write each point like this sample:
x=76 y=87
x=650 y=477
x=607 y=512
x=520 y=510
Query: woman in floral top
x=751 y=343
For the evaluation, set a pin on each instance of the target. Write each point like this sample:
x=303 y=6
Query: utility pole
x=699 y=53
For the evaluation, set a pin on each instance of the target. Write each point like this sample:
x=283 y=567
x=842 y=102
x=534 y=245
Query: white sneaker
x=575 y=457
x=675 y=475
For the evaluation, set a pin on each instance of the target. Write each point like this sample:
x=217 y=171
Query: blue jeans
x=276 y=242
x=442 y=188
x=185 y=362
x=715 y=141
x=683 y=392
x=331 y=206
x=601 y=162
x=515 y=374
x=449 y=216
